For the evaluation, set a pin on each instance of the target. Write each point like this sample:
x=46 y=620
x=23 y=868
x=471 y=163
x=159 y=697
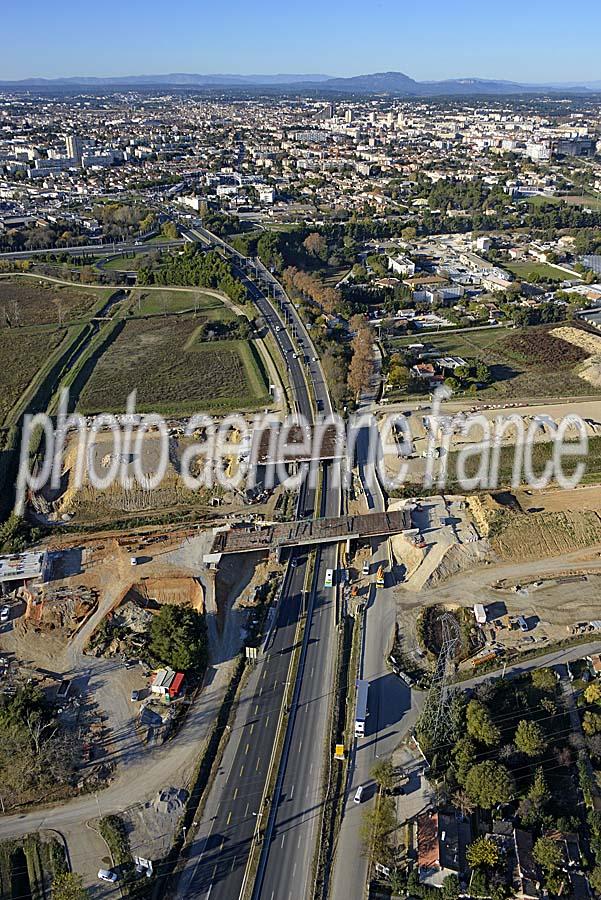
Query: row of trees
x=312 y=288
x=362 y=361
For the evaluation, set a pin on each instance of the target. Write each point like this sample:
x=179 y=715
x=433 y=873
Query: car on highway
x=359 y=794
x=135 y=696
x=4 y=614
x=329 y=579
x=365 y=569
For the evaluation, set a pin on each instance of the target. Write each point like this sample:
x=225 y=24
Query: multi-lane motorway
x=98 y=249
x=217 y=861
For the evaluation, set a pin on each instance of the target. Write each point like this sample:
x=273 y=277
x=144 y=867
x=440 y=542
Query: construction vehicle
x=380 y=577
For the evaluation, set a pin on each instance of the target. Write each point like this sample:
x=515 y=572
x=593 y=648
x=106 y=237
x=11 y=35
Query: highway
x=217 y=859
x=285 y=867
x=286 y=862
x=292 y=831
x=391 y=707
x=96 y=249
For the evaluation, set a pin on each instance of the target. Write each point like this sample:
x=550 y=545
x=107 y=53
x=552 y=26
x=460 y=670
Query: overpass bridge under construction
x=275 y=537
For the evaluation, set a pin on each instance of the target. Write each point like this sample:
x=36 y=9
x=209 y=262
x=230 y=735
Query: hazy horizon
x=516 y=42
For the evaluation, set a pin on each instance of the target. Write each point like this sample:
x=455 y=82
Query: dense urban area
x=341 y=689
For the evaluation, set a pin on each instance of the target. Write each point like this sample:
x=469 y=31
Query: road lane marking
x=266 y=721
x=256 y=708
x=252 y=727
x=246 y=810
x=229 y=817
x=291 y=792
x=283 y=839
x=246 y=750
x=257 y=766
x=235 y=793
x=241 y=771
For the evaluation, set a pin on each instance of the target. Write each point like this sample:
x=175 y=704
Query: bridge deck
x=246 y=538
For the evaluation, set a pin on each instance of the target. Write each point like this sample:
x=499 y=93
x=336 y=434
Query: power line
x=436 y=715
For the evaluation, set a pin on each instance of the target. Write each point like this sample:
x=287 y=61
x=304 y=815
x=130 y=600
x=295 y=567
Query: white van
x=359 y=794
x=107 y=875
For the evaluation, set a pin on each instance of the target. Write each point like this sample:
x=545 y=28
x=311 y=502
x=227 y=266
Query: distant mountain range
x=392 y=83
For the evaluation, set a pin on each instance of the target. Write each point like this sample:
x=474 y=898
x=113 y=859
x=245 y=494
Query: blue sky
x=530 y=40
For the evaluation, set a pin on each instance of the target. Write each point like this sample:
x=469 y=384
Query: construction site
x=78 y=628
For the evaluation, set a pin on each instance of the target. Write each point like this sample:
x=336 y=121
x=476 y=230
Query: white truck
x=361 y=708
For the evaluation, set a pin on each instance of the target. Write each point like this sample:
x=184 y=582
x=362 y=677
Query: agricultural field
x=525 y=363
x=23 y=351
x=24 y=302
x=525 y=270
x=535 y=363
x=174 y=372
x=153 y=303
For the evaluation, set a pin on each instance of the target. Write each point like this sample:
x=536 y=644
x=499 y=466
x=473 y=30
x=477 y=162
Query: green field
x=173 y=372
x=540 y=200
x=523 y=270
x=119 y=264
x=152 y=303
x=471 y=343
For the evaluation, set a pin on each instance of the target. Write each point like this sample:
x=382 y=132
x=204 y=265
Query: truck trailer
x=361 y=708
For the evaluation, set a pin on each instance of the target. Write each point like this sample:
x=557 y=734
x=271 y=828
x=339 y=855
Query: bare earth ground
x=107 y=684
